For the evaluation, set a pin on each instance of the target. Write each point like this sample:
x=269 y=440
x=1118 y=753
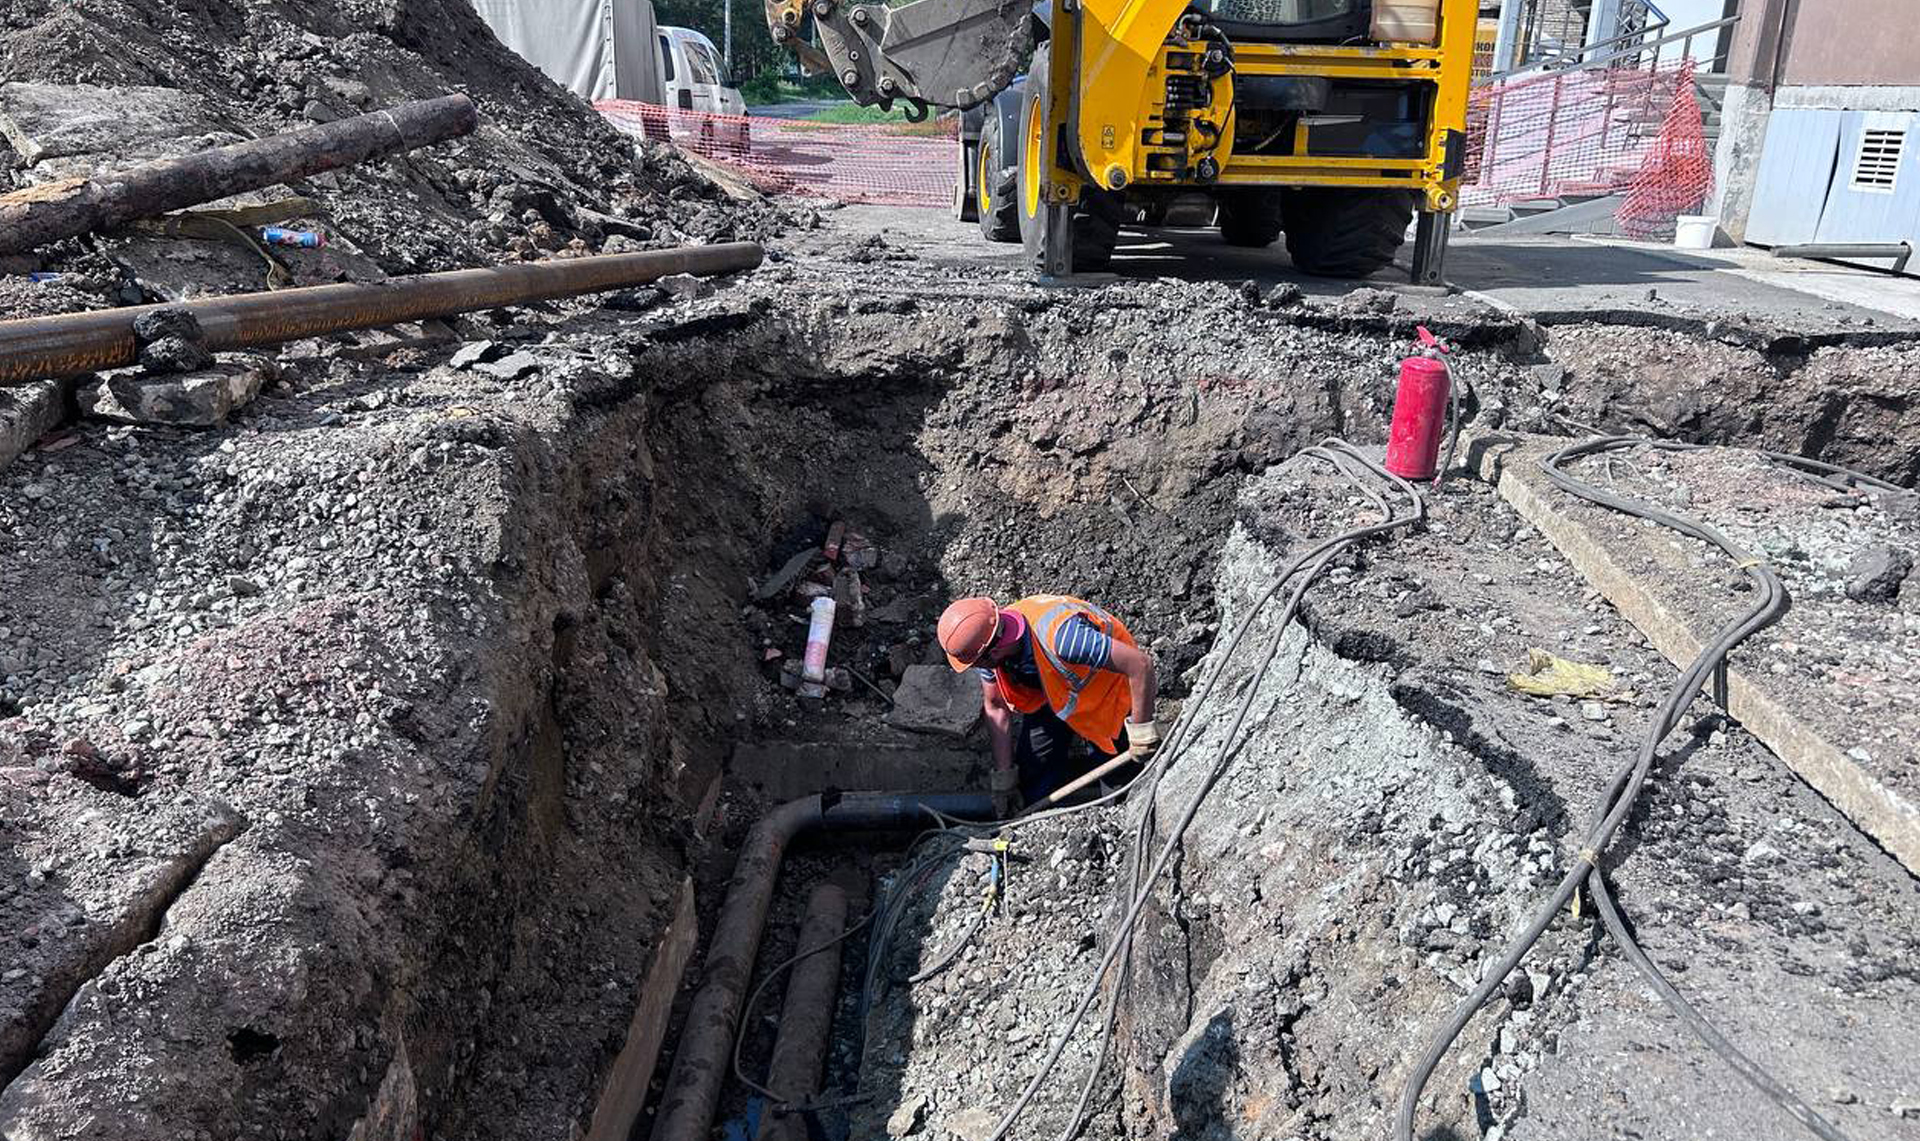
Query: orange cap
x=967 y=628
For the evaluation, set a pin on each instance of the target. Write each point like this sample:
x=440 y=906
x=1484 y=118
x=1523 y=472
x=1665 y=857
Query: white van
x=695 y=81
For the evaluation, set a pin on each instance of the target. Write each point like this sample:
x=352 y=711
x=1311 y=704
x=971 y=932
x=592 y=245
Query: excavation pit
x=477 y=666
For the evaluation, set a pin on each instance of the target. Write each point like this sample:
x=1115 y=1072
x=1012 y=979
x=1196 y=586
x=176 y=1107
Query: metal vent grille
x=1878 y=162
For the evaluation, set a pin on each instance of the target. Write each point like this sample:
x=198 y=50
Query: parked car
x=694 y=80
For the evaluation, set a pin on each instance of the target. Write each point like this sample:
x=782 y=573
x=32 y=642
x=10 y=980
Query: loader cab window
x=1291 y=21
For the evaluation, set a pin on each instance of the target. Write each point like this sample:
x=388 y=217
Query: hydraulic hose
x=1307 y=566
x=1769 y=604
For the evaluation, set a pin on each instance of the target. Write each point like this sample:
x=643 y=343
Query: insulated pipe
x=806 y=1018
x=70 y=343
x=1899 y=252
x=65 y=209
x=705 y=1051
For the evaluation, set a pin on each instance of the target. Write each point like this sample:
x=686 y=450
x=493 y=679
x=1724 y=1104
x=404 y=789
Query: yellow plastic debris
x=1548 y=675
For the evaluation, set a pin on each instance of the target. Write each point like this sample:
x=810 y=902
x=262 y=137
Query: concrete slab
x=102 y=126
x=787 y=769
x=1554 y=279
x=199 y=399
x=1834 y=688
x=1564 y=280
x=934 y=699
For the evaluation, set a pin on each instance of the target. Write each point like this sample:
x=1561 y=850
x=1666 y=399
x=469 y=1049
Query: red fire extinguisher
x=1419 y=411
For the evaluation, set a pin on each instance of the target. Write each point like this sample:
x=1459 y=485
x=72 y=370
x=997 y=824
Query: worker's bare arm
x=999 y=717
x=1142 y=682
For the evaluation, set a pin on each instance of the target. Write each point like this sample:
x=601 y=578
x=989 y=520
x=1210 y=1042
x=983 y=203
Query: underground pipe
x=701 y=1060
x=41 y=214
x=806 y=1017
x=69 y=343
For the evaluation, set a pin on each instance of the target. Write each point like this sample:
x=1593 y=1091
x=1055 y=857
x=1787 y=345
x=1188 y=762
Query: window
x=666 y=58
x=1877 y=163
x=700 y=63
x=1279 y=13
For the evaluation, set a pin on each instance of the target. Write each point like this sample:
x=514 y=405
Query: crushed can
x=304 y=239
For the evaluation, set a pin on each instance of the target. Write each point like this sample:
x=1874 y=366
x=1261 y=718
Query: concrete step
x=1480 y=217
x=1592 y=215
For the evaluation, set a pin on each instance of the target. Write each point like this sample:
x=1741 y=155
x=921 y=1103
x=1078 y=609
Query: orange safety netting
x=1618 y=130
x=896 y=163
x=1677 y=174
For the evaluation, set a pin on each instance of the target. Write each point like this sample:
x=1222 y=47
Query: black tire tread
x=1335 y=232
x=1000 y=221
x=1251 y=217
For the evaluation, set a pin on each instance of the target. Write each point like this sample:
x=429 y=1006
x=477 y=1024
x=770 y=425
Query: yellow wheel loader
x=1334 y=122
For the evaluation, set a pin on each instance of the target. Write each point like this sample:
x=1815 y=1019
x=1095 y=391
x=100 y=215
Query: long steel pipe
x=1898 y=251
x=702 y=1059
x=46 y=213
x=70 y=343
x=806 y=1017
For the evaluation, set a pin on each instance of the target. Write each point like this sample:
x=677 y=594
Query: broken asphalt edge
x=1880 y=812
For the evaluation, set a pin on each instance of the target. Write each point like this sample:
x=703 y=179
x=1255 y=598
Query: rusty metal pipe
x=806 y=1017
x=46 y=213
x=705 y=1051
x=70 y=343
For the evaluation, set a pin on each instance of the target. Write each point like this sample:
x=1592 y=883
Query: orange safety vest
x=1093 y=702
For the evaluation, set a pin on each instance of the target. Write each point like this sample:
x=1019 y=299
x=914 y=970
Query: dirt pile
x=93 y=86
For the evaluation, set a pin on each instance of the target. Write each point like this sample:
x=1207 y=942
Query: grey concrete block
x=118 y=125
x=28 y=412
x=934 y=699
x=192 y=399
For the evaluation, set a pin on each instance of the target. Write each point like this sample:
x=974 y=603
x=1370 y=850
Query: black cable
x=1769 y=604
x=1308 y=565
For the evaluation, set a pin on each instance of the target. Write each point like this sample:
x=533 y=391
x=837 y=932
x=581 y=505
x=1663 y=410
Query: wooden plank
x=624 y=1093
x=1512 y=466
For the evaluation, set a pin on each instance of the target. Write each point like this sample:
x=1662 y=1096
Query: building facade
x=1817 y=140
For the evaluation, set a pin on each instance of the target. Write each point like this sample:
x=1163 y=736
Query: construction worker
x=1068 y=668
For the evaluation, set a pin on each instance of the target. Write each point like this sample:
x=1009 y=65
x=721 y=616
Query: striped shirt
x=1076 y=641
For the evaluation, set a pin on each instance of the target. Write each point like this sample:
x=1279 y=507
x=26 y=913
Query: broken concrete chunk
x=198 y=399
x=510 y=367
x=685 y=287
x=907 y=1119
x=28 y=412
x=1875 y=574
x=934 y=699
x=50 y=121
x=473 y=352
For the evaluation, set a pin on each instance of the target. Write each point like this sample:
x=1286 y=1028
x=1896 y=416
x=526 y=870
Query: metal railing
x=1632 y=45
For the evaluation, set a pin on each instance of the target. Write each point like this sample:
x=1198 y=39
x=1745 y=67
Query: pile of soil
x=542 y=174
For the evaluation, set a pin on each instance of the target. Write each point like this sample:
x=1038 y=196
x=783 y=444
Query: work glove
x=1005 y=786
x=1143 y=740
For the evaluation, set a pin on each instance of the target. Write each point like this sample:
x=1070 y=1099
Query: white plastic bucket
x=1695 y=231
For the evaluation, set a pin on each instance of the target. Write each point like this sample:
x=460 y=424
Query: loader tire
x=1250 y=217
x=996 y=185
x=1335 y=232
x=1096 y=218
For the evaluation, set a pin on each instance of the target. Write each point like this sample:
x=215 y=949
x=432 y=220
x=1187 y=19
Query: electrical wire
x=1307 y=567
x=1769 y=604
x=916 y=866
